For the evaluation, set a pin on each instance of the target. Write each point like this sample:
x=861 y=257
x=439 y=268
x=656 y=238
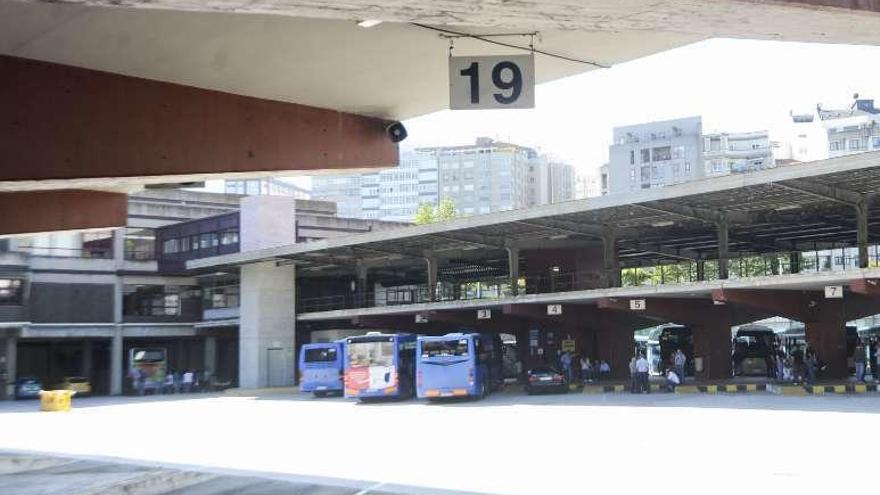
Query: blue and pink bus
x=379 y=365
x=320 y=368
x=458 y=365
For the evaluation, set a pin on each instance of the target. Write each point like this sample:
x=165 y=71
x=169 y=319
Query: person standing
x=565 y=360
x=642 y=370
x=586 y=370
x=633 y=376
x=188 y=379
x=860 y=361
x=679 y=360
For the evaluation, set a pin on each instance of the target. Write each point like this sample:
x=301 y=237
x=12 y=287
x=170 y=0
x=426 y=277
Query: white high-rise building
x=737 y=152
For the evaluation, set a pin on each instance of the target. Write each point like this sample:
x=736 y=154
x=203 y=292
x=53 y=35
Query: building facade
x=829 y=133
x=480 y=178
x=75 y=304
x=265 y=186
x=659 y=154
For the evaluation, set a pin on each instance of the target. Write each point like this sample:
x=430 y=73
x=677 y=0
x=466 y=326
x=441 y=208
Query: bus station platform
x=738 y=386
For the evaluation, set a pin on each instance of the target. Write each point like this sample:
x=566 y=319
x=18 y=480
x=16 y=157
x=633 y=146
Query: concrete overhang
x=758 y=198
x=696 y=290
x=314 y=53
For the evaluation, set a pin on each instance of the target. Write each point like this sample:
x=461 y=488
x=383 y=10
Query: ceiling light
x=664 y=223
x=369 y=23
x=788 y=207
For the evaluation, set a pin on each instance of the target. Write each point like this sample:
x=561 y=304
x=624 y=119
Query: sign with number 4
x=490 y=83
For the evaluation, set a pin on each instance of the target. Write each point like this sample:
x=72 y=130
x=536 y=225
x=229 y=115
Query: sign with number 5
x=490 y=83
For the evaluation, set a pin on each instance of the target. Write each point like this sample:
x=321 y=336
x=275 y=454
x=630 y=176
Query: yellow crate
x=55 y=400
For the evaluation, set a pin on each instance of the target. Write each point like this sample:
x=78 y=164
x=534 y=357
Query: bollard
x=55 y=400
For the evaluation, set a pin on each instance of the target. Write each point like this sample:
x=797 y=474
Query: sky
x=735 y=85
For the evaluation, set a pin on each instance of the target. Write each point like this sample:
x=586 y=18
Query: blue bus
x=459 y=365
x=379 y=365
x=320 y=368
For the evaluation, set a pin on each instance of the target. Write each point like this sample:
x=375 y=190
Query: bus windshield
x=443 y=348
x=371 y=353
x=320 y=355
x=149 y=356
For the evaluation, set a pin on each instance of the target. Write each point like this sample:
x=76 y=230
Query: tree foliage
x=428 y=213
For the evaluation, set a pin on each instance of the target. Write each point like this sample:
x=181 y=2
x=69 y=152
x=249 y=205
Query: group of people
x=590 y=371
x=174 y=382
x=639 y=370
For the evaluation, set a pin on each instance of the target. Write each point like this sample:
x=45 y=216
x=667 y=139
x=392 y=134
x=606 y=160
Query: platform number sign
x=484 y=314
x=833 y=292
x=554 y=309
x=491 y=83
x=420 y=318
x=637 y=304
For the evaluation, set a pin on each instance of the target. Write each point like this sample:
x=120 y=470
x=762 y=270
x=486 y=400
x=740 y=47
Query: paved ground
x=509 y=443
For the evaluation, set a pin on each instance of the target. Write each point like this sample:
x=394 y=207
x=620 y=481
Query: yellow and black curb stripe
x=851 y=388
x=684 y=389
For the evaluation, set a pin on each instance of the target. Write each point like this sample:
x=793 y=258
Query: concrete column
x=87 y=358
x=513 y=269
x=862 y=233
x=794 y=262
x=723 y=245
x=713 y=344
x=267 y=329
x=211 y=355
x=611 y=261
x=432 y=277
x=701 y=270
x=119 y=245
x=11 y=365
x=615 y=345
x=361 y=286
x=828 y=338
x=117 y=368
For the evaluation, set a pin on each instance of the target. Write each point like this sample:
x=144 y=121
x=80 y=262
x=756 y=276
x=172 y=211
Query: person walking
x=565 y=360
x=811 y=364
x=679 y=360
x=188 y=380
x=168 y=386
x=642 y=370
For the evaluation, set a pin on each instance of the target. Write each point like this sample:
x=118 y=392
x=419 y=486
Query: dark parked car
x=545 y=378
x=27 y=388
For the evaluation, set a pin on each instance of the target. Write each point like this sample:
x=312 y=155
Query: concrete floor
x=509 y=443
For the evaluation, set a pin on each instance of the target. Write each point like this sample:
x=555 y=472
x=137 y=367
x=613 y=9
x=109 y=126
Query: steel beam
x=63 y=124
x=46 y=211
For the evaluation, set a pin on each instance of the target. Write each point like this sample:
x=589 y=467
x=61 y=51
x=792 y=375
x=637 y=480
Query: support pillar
x=211 y=356
x=794 y=262
x=116 y=362
x=862 y=233
x=513 y=269
x=361 y=286
x=611 y=261
x=723 y=245
x=11 y=365
x=87 y=359
x=701 y=270
x=828 y=339
x=432 y=277
x=267 y=329
x=615 y=345
x=713 y=344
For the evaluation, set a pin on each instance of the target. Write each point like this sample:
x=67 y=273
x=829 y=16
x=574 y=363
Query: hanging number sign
x=493 y=82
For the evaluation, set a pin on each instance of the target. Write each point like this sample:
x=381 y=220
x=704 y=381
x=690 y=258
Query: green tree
x=445 y=210
x=425 y=214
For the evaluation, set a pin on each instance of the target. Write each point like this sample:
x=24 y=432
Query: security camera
x=396 y=132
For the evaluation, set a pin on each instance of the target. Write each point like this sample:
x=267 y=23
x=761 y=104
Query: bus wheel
x=483 y=391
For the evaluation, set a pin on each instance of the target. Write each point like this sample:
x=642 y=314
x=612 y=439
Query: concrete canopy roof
x=796 y=207
x=312 y=52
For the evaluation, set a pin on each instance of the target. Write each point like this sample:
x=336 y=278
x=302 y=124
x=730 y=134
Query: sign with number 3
x=484 y=83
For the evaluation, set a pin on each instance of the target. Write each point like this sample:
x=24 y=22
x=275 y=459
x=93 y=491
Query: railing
x=61 y=252
x=146 y=254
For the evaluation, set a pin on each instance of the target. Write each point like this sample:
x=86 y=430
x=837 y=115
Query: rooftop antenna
x=855 y=101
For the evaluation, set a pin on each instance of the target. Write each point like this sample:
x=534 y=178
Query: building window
x=855 y=144
x=220 y=297
x=632 y=157
x=678 y=152
x=661 y=153
x=208 y=240
x=228 y=237
x=154 y=300
x=687 y=167
x=10 y=291
x=646 y=155
x=834 y=146
x=876 y=142
x=171 y=246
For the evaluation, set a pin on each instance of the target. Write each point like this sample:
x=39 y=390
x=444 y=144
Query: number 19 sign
x=482 y=83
